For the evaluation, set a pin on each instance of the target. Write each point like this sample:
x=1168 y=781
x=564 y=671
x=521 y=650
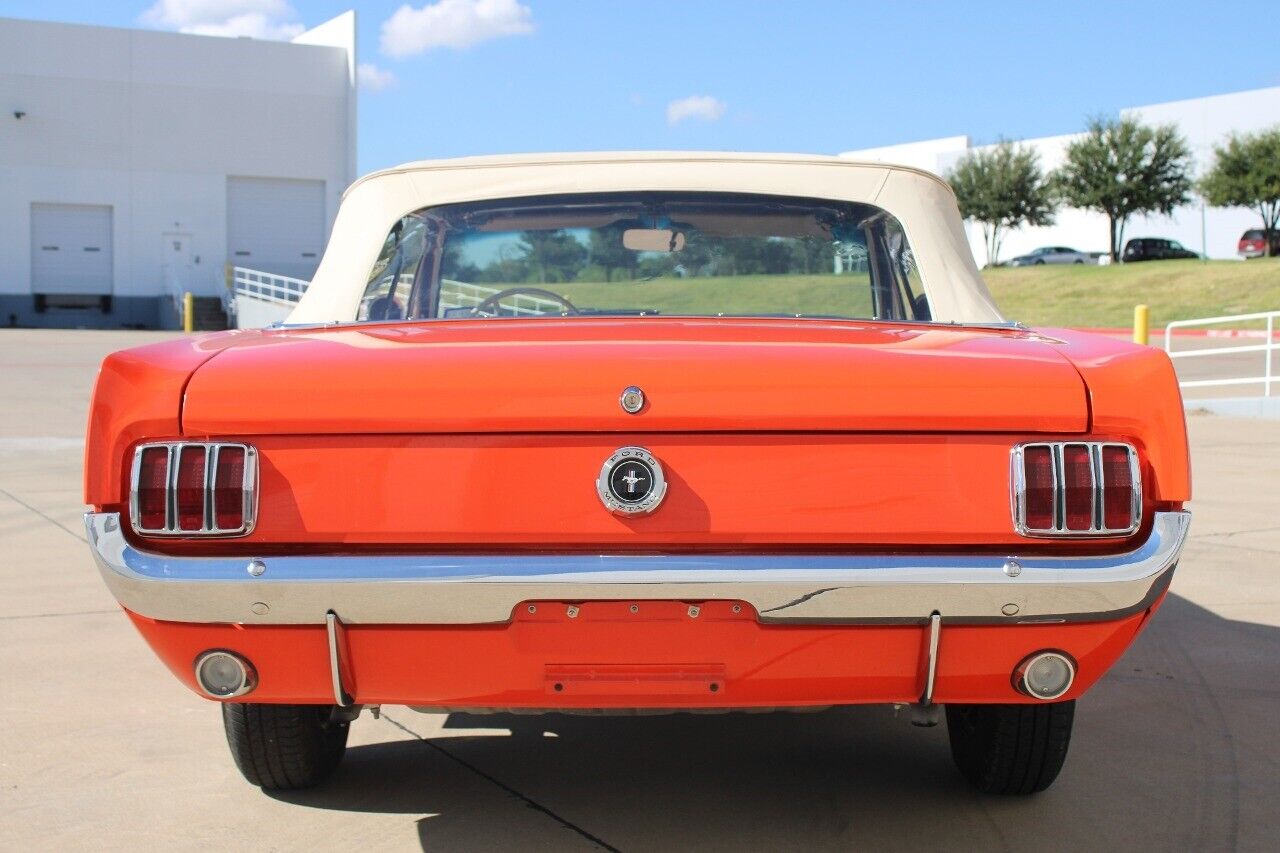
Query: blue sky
x=455 y=77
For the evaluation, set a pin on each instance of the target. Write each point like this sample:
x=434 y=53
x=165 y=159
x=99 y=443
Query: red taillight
x=194 y=488
x=1117 y=488
x=1077 y=487
x=1038 y=479
x=191 y=488
x=228 y=489
x=153 y=487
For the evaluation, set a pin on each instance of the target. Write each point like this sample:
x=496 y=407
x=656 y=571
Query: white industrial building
x=135 y=165
x=1205 y=122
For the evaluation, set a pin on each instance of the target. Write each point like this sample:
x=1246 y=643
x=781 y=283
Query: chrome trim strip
x=1059 y=488
x=931 y=672
x=250 y=483
x=895 y=588
x=1135 y=477
x=210 y=478
x=135 y=502
x=171 y=489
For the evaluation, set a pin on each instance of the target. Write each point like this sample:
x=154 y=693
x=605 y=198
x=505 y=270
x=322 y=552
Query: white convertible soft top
x=922 y=202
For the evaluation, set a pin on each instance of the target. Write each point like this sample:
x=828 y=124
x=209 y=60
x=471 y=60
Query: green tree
x=1123 y=167
x=813 y=255
x=756 y=256
x=1002 y=187
x=552 y=255
x=1246 y=173
x=608 y=252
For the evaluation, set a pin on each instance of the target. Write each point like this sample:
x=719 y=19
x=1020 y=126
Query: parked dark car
x=1253 y=243
x=1155 y=249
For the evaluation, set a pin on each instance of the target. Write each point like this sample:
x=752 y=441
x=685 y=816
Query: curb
x=1181 y=333
x=1238 y=407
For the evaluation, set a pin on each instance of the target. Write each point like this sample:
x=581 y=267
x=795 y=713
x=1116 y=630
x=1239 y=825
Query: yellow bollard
x=1141 y=324
x=189 y=312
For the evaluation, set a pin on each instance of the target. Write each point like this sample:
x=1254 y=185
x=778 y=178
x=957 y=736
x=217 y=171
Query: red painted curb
x=1177 y=333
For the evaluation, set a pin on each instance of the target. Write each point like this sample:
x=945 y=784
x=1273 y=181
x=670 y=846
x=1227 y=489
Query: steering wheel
x=491 y=303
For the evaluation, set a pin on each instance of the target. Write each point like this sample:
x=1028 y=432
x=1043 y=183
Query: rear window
x=642 y=254
x=1254 y=234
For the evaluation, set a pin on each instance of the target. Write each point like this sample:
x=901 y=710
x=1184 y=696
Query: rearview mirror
x=653 y=240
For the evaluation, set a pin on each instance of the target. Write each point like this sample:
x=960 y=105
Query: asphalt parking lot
x=100 y=747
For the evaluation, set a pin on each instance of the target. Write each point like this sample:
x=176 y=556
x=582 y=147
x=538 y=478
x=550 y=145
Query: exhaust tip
x=1045 y=675
x=224 y=675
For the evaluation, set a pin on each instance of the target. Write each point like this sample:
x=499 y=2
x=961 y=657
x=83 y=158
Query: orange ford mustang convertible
x=645 y=432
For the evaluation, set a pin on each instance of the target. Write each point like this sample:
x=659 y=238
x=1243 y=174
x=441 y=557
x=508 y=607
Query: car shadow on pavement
x=1173 y=749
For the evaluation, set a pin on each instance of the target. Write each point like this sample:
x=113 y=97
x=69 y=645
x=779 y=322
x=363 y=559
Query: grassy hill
x=847 y=295
x=1104 y=296
x=1081 y=296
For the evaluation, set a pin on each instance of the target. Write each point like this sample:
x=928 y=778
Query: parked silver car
x=1053 y=255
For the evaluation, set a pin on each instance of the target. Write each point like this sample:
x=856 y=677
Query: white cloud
x=453 y=23
x=260 y=19
x=701 y=107
x=373 y=78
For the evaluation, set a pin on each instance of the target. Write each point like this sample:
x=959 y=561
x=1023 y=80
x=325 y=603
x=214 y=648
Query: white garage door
x=275 y=225
x=71 y=249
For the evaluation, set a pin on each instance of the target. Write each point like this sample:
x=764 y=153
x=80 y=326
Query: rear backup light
x=225 y=675
x=194 y=489
x=1044 y=675
x=1073 y=488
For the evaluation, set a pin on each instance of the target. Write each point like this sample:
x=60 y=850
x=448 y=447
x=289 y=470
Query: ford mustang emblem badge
x=631 y=482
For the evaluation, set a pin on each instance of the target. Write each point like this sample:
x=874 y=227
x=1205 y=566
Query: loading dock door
x=71 y=249
x=275 y=225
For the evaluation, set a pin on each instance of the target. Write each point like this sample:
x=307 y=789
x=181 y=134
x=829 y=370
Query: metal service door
x=275 y=225
x=176 y=268
x=71 y=249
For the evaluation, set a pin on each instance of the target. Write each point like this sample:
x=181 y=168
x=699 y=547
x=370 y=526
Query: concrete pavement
x=100 y=747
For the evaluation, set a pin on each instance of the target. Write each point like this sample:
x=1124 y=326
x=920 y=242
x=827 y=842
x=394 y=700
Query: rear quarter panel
x=138 y=395
x=1133 y=391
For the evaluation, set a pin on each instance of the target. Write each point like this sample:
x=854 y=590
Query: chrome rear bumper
x=783 y=588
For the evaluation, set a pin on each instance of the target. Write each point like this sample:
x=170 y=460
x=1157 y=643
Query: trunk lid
x=566 y=375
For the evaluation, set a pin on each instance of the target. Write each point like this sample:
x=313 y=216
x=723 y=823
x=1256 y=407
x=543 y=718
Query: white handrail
x=1268 y=346
x=282 y=290
x=268 y=287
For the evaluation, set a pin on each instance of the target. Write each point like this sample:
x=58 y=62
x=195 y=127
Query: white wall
x=152 y=124
x=1204 y=122
x=253 y=313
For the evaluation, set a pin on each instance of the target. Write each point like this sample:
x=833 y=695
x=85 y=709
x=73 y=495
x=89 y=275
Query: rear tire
x=284 y=747
x=1010 y=749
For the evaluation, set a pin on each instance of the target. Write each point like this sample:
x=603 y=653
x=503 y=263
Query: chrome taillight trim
x=1097 y=526
x=209 y=527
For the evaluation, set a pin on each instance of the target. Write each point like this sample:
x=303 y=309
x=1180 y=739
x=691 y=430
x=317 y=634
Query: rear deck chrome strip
x=892 y=588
